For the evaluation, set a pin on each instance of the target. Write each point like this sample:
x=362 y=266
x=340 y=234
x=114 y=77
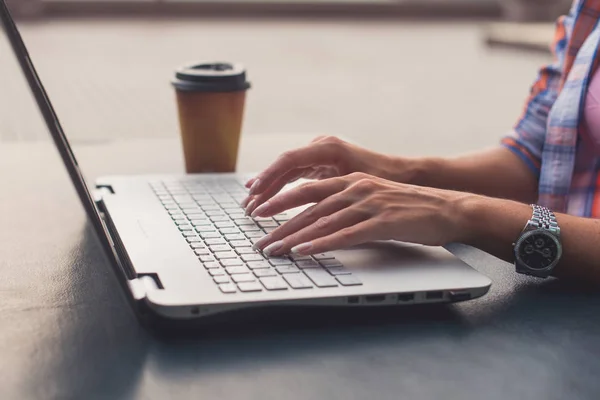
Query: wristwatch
x=538 y=248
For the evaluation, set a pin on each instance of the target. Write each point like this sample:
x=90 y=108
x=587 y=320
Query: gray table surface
x=67 y=332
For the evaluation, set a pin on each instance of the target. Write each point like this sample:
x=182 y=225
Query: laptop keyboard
x=208 y=214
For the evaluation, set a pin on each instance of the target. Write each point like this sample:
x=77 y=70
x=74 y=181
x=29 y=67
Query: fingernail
x=260 y=209
x=249 y=207
x=244 y=203
x=260 y=243
x=254 y=186
x=301 y=248
x=273 y=247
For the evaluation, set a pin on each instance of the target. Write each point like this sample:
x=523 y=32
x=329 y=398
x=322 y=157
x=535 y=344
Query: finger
x=322 y=227
x=249 y=183
x=312 y=192
x=272 y=190
x=363 y=232
x=330 y=205
x=301 y=158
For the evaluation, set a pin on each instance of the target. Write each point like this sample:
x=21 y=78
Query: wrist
x=413 y=171
x=491 y=224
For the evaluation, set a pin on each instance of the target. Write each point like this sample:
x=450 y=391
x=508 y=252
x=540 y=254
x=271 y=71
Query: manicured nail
x=254 y=186
x=261 y=242
x=244 y=203
x=260 y=209
x=301 y=248
x=249 y=207
x=273 y=247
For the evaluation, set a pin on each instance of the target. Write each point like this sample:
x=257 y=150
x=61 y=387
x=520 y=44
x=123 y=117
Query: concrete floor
x=415 y=88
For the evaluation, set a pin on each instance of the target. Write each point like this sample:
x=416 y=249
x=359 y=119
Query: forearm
x=493 y=225
x=496 y=172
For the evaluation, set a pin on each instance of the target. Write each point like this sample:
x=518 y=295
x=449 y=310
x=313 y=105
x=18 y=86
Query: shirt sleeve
x=526 y=139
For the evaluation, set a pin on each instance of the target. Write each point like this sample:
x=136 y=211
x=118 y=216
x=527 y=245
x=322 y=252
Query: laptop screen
x=53 y=124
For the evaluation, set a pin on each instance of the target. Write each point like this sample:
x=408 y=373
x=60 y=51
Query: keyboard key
x=211 y=208
x=270 y=230
x=281 y=217
x=216 y=272
x=186 y=228
x=244 y=221
x=265 y=272
x=255 y=235
x=280 y=261
x=200 y=222
x=220 y=247
x=338 y=271
x=210 y=235
x=212 y=265
x=321 y=278
x=234 y=236
x=260 y=219
x=207 y=258
x=307 y=264
x=193 y=239
x=245 y=250
x=205 y=228
x=202 y=252
x=249 y=228
x=196 y=245
x=324 y=256
x=228 y=288
x=330 y=263
x=348 y=280
x=231 y=262
x=225 y=254
x=236 y=215
x=273 y=283
x=250 y=287
x=188 y=233
x=215 y=213
x=222 y=279
x=240 y=243
x=268 y=224
x=229 y=205
x=218 y=218
x=230 y=231
x=252 y=257
x=225 y=224
x=215 y=241
x=297 y=257
x=258 y=265
x=298 y=281
x=243 y=278
x=287 y=269
x=237 y=270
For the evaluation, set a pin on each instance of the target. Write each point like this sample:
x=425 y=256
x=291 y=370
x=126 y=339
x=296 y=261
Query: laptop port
x=353 y=300
x=460 y=296
x=434 y=295
x=406 y=296
x=375 y=298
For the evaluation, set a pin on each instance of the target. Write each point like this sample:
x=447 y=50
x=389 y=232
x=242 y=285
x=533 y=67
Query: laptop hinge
x=141 y=286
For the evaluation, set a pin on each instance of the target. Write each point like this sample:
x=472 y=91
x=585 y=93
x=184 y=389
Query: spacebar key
x=321 y=278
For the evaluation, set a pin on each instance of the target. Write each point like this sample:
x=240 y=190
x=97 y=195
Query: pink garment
x=591 y=114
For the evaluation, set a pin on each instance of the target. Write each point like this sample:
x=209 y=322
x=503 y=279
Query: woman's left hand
x=359 y=208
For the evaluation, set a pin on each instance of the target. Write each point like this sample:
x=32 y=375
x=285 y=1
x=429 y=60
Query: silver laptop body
x=181 y=245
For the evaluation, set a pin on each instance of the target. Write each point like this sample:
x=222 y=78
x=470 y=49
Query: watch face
x=538 y=251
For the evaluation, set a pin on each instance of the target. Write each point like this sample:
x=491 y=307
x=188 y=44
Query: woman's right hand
x=324 y=157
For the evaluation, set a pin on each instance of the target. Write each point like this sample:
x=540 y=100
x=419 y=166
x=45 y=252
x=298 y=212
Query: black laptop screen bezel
x=55 y=128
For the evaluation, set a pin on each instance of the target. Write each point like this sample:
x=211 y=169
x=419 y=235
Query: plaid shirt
x=550 y=136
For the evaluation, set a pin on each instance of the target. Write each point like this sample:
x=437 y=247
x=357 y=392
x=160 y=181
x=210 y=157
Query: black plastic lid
x=211 y=77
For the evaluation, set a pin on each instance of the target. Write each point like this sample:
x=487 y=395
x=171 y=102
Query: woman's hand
x=324 y=157
x=359 y=208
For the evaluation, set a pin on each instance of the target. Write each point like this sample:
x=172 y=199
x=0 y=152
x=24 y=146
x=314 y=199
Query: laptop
x=182 y=247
